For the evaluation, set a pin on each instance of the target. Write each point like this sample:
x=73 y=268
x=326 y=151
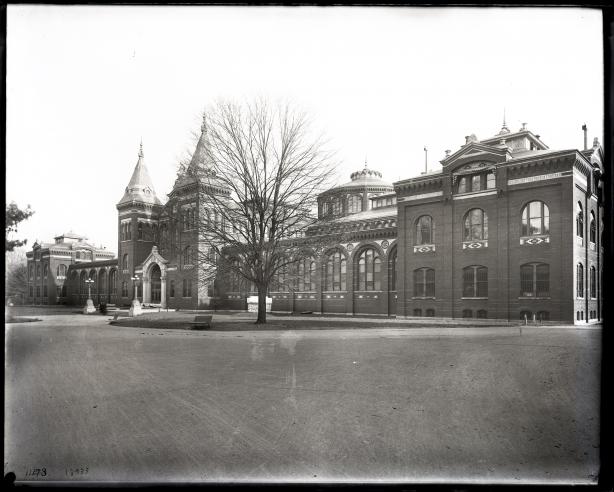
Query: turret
x=138 y=213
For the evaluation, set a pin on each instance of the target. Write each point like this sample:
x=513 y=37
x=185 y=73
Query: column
x=163 y=291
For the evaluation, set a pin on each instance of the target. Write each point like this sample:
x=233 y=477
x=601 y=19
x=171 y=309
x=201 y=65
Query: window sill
x=425 y=298
x=474 y=298
x=542 y=298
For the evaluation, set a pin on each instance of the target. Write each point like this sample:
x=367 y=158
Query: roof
x=375 y=213
x=140 y=188
x=200 y=168
x=362 y=179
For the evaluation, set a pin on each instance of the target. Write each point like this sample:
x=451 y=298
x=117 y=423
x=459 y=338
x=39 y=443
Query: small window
x=476 y=182
x=140 y=230
x=462 y=184
x=579 y=221
x=424 y=282
x=476 y=225
x=535 y=219
x=418 y=312
x=125 y=262
x=543 y=316
x=490 y=181
x=430 y=313
x=482 y=314
x=475 y=281
x=593 y=283
x=593 y=229
x=172 y=289
x=580 y=280
x=424 y=230
x=467 y=313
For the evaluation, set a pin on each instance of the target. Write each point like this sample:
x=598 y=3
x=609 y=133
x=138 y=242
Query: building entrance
x=156 y=288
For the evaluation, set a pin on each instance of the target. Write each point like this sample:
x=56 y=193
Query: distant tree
x=262 y=172
x=14 y=215
x=16 y=276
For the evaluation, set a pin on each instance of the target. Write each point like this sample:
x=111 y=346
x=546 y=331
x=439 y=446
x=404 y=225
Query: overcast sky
x=85 y=84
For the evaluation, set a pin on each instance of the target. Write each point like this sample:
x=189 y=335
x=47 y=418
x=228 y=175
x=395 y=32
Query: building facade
x=507 y=229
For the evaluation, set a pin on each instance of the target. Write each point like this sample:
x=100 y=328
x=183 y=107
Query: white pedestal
x=89 y=307
x=135 y=308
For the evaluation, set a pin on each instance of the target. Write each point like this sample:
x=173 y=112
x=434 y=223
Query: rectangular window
x=482 y=282
x=490 y=180
x=172 y=289
x=418 y=283
x=462 y=185
x=526 y=281
x=476 y=182
x=38 y=291
x=430 y=283
x=44 y=291
x=542 y=280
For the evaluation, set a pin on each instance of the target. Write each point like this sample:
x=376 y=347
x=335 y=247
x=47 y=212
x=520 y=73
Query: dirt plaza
x=85 y=400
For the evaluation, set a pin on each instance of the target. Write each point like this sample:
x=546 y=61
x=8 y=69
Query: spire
x=140 y=188
x=203 y=127
x=504 y=128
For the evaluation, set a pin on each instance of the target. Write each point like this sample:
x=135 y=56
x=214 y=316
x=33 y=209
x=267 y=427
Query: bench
x=201 y=322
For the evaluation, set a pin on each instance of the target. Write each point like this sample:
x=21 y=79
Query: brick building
x=507 y=229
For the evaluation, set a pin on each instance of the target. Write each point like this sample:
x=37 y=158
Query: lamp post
x=135 y=308
x=89 y=304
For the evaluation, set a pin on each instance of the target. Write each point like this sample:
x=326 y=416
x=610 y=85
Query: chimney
x=585 y=130
x=448 y=153
x=595 y=143
x=524 y=127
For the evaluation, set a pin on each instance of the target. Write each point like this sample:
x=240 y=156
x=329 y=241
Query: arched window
x=392 y=273
x=475 y=281
x=307 y=275
x=535 y=280
x=535 y=219
x=476 y=225
x=30 y=271
x=125 y=262
x=593 y=229
x=140 y=230
x=61 y=270
x=424 y=230
x=335 y=272
x=593 y=283
x=369 y=270
x=354 y=204
x=187 y=256
x=579 y=220
x=424 y=282
x=580 y=280
x=124 y=289
x=187 y=288
x=38 y=270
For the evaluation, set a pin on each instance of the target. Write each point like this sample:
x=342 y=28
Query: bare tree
x=260 y=172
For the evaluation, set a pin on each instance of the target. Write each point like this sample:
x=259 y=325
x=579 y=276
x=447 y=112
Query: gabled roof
x=140 y=188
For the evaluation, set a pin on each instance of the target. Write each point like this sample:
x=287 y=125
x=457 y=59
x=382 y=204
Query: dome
x=365 y=177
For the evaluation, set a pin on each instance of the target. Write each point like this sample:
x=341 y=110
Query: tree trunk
x=261 y=305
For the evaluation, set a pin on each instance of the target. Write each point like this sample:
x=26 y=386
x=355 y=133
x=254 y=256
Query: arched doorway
x=156 y=284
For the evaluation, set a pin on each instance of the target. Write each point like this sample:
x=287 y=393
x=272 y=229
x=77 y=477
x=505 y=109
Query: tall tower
x=137 y=223
x=187 y=205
